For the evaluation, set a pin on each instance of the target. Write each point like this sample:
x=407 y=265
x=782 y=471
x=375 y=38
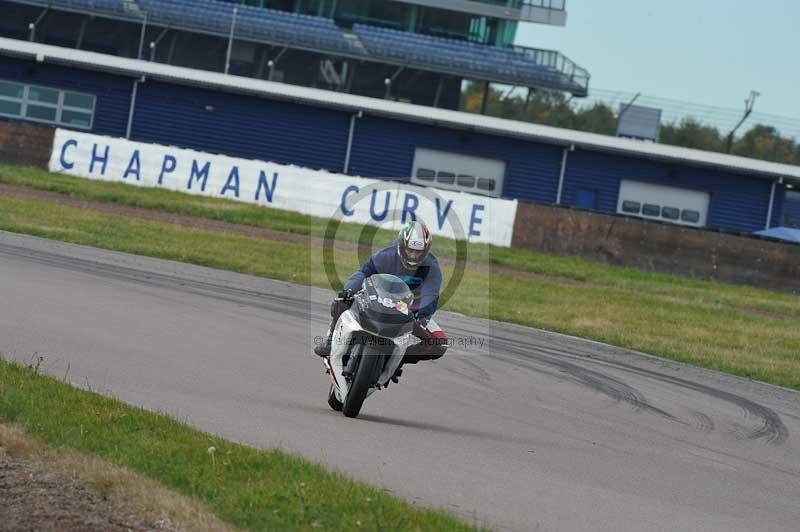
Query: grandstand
x=419 y=51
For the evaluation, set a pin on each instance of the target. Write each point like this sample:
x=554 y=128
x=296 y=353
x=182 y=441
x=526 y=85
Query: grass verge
x=60 y=476
x=564 y=269
x=248 y=488
x=738 y=330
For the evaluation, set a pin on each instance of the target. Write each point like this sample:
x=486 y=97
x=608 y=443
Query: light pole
x=749 y=103
x=230 y=41
x=388 y=83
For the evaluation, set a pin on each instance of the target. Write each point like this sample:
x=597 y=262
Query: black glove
x=343 y=301
x=345 y=295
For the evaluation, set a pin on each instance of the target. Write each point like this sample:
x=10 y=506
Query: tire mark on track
x=704 y=423
x=772 y=429
x=298 y=308
x=473 y=372
x=600 y=382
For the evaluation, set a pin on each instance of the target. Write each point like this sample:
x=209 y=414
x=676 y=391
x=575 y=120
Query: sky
x=711 y=52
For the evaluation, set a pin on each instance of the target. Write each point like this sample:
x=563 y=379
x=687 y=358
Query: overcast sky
x=704 y=51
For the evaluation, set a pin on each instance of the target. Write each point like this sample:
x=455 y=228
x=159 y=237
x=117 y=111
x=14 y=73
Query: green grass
x=568 y=270
x=739 y=330
x=249 y=488
x=179 y=203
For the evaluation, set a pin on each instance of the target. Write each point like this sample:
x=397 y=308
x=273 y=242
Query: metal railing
x=571 y=76
x=559 y=62
x=555 y=5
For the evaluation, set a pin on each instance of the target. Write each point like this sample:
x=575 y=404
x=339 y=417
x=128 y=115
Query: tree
x=690 y=133
x=554 y=109
x=599 y=118
x=765 y=142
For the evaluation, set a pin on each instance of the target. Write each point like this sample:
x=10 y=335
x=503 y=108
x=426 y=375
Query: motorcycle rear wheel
x=333 y=402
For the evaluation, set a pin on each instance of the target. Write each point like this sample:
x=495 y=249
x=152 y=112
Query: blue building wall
x=113 y=92
x=384 y=148
x=738 y=202
x=283 y=132
x=791 y=213
x=779 y=206
x=241 y=126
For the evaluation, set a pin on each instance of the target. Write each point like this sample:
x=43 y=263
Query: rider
x=410 y=259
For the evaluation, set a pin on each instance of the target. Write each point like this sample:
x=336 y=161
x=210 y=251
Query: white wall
x=377 y=202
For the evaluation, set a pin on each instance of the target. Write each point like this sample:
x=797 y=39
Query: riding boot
x=324 y=349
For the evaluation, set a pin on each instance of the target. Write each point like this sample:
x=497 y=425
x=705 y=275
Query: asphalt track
x=532 y=431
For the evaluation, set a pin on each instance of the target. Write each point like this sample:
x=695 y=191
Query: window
x=8 y=108
x=81 y=101
x=11 y=90
x=670 y=213
x=46 y=104
x=425 y=174
x=651 y=210
x=41 y=94
x=76 y=119
x=447 y=178
x=631 y=207
x=486 y=184
x=466 y=181
x=41 y=112
x=691 y=217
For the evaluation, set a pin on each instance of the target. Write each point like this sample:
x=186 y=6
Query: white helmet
x=413 y=244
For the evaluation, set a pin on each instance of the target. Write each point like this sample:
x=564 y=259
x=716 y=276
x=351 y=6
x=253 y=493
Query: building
x=418 y=51
x=257 y=119
x=791 y=211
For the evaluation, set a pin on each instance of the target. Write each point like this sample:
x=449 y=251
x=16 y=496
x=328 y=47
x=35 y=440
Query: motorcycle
x=369 y=341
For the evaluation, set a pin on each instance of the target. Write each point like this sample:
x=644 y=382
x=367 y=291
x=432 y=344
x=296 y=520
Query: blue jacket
x=425 y=282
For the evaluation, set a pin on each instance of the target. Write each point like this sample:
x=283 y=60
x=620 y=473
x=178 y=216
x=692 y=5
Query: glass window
x=41 y=94
x=10 y=108
x=425 y=174
x=447 y=178
x=692 y=217
x=46 y=105
x=651 y=210
x=466 y=181
x=76 y=118
x=486 y=184
x=40 y=112
x=82 y=101
x=670 y=213
x=632 y=207
x=11 y=90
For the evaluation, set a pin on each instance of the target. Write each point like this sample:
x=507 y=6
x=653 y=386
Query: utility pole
x=749 y=103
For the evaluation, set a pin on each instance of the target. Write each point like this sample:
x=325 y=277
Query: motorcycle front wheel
x=365 y=377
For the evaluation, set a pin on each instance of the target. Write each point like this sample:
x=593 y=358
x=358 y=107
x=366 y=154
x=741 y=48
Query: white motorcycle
x=369 y=341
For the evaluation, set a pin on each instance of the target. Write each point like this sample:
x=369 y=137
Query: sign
x=317 y=193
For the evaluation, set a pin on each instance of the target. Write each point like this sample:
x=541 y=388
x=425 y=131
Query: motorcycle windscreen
x=389 y=286
x=385 y=306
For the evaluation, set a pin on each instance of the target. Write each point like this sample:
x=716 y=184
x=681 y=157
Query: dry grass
x=121 y=486
x=248 y=488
